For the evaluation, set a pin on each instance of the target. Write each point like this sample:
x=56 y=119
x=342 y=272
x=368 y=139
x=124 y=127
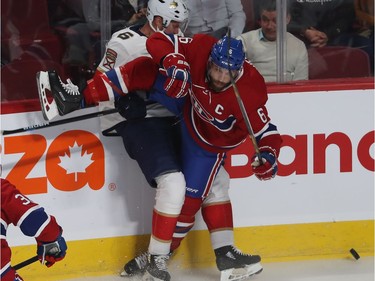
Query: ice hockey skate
x=136 y=266
x=66 y=96
x=156 y=269
x=235 y=265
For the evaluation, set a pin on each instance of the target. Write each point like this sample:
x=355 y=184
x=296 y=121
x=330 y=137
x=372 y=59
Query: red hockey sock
x=185 y=220
x=163 y=226
x=218 y=216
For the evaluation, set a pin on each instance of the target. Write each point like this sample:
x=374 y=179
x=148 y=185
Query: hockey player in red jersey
x=33 y=221
x=197 y=86
x=197 y=72
x=196 y=82
x=212 y=124
x=211 y=113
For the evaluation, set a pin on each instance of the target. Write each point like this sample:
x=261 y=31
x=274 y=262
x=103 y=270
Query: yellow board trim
x=96 y=257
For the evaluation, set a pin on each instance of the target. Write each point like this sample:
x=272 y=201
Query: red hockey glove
x=268 y=169
x=178 y=81
x=49 y=253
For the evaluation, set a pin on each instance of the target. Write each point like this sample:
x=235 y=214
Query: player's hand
x=267 y=169
x=51 y=252
x=131 y=106
x=178 y=81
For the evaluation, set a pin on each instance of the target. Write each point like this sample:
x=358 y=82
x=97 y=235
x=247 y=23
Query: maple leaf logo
x=76 y=162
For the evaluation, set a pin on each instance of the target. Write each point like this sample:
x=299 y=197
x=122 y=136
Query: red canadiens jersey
x=214 y=119
x=20 y=211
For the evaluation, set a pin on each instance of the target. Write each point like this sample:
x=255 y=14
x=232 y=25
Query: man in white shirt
x=260 y=47
x=215 y=16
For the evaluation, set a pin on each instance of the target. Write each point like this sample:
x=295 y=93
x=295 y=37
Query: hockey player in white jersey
x=158 y=159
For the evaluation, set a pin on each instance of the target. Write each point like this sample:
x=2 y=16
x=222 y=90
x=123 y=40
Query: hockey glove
x=131 y=106
x=268 y=169
x=49 y=253
x=178 y=81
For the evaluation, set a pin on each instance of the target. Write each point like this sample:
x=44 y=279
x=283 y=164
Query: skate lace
x=70 y=88
x=142 y=260
x=239 y=253
x=161 y=262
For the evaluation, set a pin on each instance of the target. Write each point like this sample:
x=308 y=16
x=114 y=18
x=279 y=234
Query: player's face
x=219 y=77
x=173 y=28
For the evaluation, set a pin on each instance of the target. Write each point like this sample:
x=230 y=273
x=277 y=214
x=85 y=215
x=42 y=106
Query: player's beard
x=215 y=85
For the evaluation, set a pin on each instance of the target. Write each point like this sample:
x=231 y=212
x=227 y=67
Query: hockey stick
x=25 y=263
x=60 y=122
x=242 y=108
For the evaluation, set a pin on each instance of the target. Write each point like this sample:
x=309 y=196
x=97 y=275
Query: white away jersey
x=125 y=45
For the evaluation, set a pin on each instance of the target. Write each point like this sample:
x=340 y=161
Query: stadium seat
x=338 y=62
x=25 y=24
x=28 y=45
x=249 y=9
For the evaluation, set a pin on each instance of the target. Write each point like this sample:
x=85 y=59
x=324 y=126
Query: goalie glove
x=178 y=81
x=51 y=252
x=268 y=169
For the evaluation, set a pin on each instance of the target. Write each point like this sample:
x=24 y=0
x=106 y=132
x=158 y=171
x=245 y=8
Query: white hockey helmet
x=169 y=10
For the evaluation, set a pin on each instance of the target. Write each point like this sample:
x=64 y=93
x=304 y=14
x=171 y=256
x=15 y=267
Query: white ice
x=317 y=270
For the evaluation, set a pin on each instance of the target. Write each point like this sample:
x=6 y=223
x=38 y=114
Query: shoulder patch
x=110 y=59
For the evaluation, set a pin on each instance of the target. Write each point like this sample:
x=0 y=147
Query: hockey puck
x=354 y=254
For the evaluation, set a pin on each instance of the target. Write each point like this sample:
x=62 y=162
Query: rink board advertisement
x=89 y=183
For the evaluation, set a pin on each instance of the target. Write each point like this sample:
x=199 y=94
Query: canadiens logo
x=223 y=125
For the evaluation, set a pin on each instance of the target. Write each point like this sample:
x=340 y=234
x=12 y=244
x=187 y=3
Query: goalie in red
x=33 y=221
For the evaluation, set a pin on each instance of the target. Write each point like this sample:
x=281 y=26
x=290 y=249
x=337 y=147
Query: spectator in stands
x=80 y=39
x=363 y=37
x=260 y=47
x=214 y=17
x=321 y=23
x=138 y=4
x=362 y=34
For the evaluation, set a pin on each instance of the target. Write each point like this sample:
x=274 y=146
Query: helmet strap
x=155 y=29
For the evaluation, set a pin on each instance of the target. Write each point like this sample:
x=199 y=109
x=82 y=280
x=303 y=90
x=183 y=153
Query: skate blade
x=132 y=277
x=236 y=274
x=148 y=277
x=49 y=110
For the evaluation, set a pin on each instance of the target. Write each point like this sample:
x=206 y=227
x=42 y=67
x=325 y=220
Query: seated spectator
x=81 y=36
x=214 y=17
x=321 y=23
x=260 y=47
x=364 y=35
